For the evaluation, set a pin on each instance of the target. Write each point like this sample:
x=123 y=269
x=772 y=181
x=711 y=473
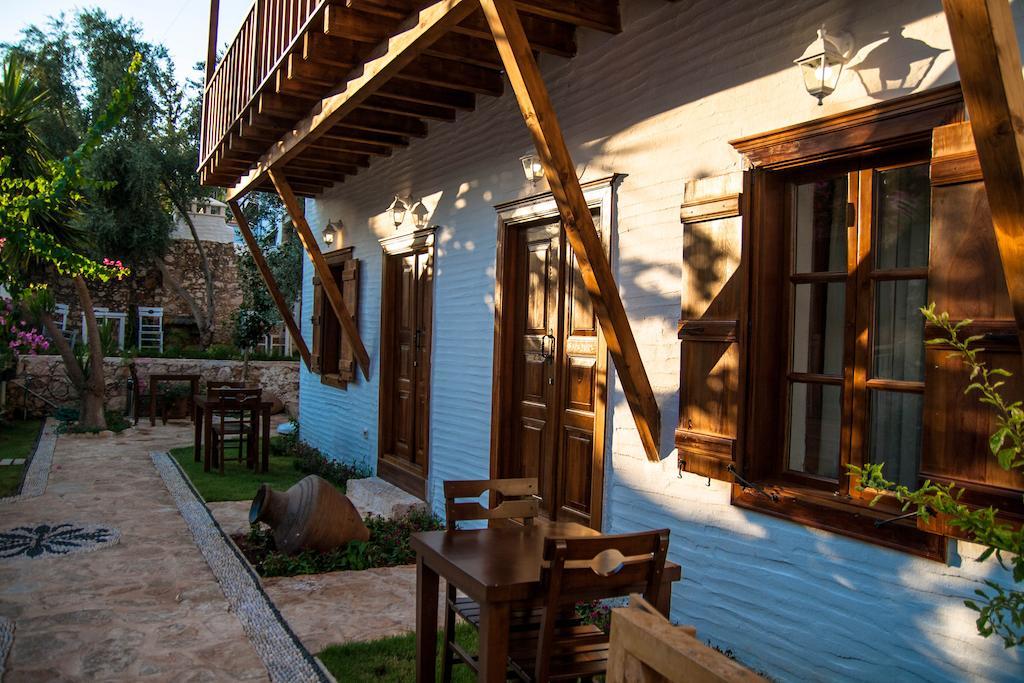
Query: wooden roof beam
x=988 y=60
x=323 y=271
x=396 y=106
x=412 y=91
x=551 y=37
x=392 y=55
x=601 y=15
x=447 y=73
x=595 y=269
x=268 y=279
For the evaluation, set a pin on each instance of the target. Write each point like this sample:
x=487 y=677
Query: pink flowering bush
x=17 y=338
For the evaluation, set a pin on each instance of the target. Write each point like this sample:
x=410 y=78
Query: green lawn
x=391 y=660
x=17 y=438
x=237 y=482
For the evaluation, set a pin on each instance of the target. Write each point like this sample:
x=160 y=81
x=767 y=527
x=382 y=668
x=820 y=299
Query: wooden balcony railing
x=262 y=41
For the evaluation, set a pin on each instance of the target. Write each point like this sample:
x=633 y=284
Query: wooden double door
x=554 y=385
x=407 y=320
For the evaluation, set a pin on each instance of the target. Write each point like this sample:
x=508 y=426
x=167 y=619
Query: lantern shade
x=820 y=65
x=532 y=167
x=328 y=233
x=398 y=210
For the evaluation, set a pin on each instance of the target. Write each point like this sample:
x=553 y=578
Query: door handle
x=548 y=352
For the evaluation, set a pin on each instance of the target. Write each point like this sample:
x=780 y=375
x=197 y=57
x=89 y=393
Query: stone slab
x=374 y=496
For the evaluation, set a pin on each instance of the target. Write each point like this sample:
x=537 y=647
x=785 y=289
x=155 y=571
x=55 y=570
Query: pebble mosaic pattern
x=39 y=468
x=282 y=653
x=54 y=539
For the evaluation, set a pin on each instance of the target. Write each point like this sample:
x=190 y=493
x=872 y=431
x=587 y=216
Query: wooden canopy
x=310 y=91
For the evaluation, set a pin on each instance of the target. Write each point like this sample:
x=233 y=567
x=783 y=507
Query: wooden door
x=557 y=383
x=405 y=369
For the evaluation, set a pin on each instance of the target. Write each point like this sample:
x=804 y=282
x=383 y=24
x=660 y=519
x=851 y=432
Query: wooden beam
x=535 y=105
x=211 y=41
x=395 y=53
x=988 y=61
x=323 y=271
x=270 y=282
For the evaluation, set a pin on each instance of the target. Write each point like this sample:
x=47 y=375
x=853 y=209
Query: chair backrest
x=234 y=404
x=596 y=568
x=508 y=499
x=151 y=327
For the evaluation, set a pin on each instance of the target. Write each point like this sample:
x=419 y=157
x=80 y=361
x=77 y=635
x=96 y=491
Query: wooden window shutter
x=710 y=325
x=965 y=279
x=350 y=292
x=316 y=319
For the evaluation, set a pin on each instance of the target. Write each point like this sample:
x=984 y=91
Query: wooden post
x=535 y=105
x=268 y=279
x=988 y=60
x=211 y=46
x=323 y=271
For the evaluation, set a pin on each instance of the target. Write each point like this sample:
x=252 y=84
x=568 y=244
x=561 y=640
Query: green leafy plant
x=1000 y=610
x=388 y=546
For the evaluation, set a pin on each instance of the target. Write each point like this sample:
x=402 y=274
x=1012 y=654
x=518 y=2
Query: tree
x=39 y=200
x=258 y=314
x=149 y=157
x=1000 y=611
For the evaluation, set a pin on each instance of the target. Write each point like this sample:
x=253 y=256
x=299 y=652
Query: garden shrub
x=388 y=547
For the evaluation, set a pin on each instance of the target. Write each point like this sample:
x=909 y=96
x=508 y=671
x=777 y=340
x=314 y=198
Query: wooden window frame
x=897 y=132
x=334 y=259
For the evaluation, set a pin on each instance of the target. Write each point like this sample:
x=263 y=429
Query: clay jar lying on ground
x=311 y=515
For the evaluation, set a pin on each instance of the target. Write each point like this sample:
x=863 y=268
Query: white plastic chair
x=151 y=328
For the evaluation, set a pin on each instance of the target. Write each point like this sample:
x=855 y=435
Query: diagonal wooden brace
x=268 y=279
x=535 y=105
x=323 y=271
x=988 y=59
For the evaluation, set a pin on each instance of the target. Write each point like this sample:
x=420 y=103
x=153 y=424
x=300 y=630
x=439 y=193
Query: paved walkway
x=147 y=608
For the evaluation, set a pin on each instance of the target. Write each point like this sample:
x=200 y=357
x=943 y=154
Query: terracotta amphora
x=311 y=515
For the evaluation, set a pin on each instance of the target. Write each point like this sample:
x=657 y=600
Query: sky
x=181 y=25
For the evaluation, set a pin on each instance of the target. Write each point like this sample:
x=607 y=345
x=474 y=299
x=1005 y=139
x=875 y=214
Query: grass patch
x=17 y=439
x=237 y=482
x=391 y=660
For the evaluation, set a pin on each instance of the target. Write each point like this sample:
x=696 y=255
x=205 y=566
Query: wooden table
x=204 y=432
x=154 y=380
x=498 y=568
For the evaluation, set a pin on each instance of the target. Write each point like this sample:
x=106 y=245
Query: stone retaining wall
x=46 y=377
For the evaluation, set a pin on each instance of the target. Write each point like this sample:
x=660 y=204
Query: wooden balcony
x=291 y=56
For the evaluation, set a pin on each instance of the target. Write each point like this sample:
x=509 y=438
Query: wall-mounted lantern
x=532 y=167
x=420 y=214
x=398 y=210
x=822 y=62
x=331 y=231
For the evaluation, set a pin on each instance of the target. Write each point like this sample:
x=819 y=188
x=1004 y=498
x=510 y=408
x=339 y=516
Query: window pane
x=814 y=426
x=819 y=241
x=818 y=315
x=898 y=332
x=895 y=437
x=903 y=217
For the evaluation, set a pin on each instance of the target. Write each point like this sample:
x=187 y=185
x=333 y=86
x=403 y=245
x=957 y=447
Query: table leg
x=426 y=622
x=152 y=403
x=665 y=597
x=494 y=627
x=207 y=439
x=265 y=446
x=197 y=423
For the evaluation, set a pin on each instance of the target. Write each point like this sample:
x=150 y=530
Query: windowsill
x=827 y=511
x=334 y=380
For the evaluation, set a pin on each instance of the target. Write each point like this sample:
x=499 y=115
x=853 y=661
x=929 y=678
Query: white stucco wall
x=659 y=103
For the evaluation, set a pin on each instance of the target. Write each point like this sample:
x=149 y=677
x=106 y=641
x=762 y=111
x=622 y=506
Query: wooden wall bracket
x=322 y=270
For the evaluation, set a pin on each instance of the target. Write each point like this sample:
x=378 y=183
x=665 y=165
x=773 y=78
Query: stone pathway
x=147 y=608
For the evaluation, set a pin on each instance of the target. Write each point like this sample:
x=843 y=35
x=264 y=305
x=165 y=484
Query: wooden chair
x=508 y=500
x=234 y=415
x=578 y=569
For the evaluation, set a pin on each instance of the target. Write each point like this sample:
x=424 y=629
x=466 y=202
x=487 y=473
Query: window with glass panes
x=857 y=269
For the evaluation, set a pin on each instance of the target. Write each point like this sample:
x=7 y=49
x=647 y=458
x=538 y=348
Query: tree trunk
x=91 y=414
x=206 y=328
x=74 y=371
x=172 y=281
